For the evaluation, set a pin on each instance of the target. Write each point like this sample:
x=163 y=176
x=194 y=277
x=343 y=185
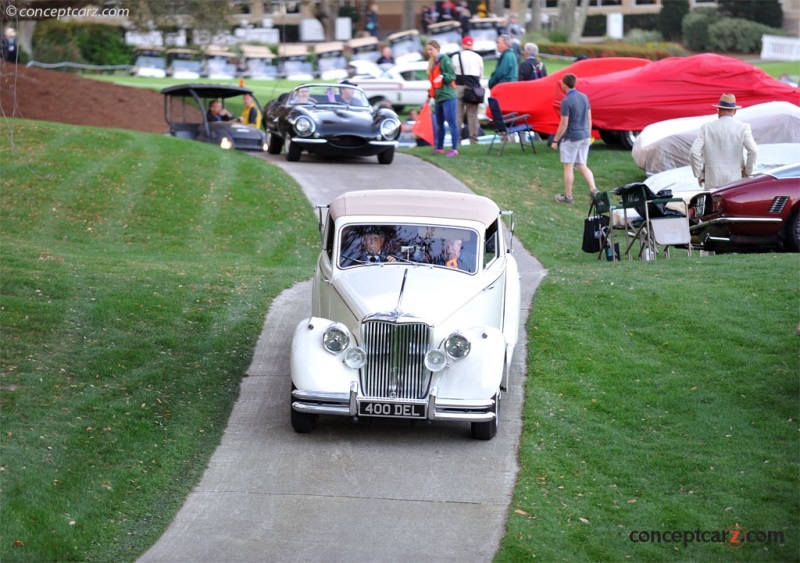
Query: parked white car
x=404 y=84
x=666 y=145
x=415 y=312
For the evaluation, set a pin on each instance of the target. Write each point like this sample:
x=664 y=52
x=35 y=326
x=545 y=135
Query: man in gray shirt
x=574 y=135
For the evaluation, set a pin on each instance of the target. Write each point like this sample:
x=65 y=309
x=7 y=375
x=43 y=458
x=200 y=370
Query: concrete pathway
x=377 y=491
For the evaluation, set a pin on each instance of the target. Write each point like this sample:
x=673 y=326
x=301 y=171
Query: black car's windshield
x=340 y=94
x=448 y=247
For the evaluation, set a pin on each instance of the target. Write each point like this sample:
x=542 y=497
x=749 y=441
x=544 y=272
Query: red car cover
x=677 y=87
x=535 y=97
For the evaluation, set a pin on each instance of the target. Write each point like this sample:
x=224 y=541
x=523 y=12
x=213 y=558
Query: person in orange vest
x=443 y=91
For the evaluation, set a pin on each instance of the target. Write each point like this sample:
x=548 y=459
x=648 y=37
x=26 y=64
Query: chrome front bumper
x=346 y=404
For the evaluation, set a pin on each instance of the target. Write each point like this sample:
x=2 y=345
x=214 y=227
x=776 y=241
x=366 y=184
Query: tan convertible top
x=416 y=203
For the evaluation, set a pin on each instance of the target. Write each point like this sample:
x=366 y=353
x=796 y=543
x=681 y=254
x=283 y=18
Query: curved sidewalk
x=380 y=490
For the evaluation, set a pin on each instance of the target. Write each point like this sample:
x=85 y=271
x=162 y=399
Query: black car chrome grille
x=348 y=141
x=395 y=367
x=242 y=142
x=778 y=204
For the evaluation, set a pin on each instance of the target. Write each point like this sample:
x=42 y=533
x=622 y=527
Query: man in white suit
x=717 y=154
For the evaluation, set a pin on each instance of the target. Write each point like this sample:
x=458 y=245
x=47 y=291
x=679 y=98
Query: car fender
x=479 y=375
x=311 y=366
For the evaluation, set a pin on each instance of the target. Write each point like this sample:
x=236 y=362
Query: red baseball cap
x=467 y=41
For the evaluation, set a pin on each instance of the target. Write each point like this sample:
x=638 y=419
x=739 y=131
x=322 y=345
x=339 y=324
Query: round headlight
x=336 y=339
x=390 y=128
x=304 y=126
x=355 y=357
x=457 y=346
x=435 y=360
x=225 y=143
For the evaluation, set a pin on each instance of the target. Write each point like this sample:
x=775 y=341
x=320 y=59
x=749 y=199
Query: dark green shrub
x=56 y=41
x=767 y=12
x=735 y=34
x=671 y=17
x=595 y=26
x=695 y=29
x=557 y=36
x=103 y=45
x=350 y=12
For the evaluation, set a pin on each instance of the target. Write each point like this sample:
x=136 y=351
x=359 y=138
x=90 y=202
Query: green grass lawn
x=660 y=395
x=134 y=288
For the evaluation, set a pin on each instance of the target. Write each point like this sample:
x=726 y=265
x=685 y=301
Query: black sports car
x=330 y=120
x=189 y=113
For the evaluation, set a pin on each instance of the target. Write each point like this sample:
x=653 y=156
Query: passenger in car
x=301 y=96
x=456 y=257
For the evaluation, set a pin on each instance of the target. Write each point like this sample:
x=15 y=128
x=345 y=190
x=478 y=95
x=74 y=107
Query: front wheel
x=293 y=152
x=610 y=138
x=274 y=144
x=386 y=157
x=488 y=430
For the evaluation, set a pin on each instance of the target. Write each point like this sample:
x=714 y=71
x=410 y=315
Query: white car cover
x=665 y=145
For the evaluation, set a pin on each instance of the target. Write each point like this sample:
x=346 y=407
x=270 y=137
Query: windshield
x=406 y=46
x=446 y=247
x=332 y=63
x=153 y=62
x=340 y=94
x=370 y=54
x=485 y=34
x=187 y=65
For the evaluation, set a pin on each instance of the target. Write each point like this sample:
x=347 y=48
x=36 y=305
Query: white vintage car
x=404 y=84
x=415 y=312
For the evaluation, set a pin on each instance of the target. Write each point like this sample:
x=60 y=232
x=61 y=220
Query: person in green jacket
x=443 y=90
x=506 y=69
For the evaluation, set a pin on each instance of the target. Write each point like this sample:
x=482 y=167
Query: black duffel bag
x=594 y=231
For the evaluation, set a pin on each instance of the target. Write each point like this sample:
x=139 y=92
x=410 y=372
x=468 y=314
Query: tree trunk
x=409 y=17
x=577 y=28
x=566 y=15
x=536 y=16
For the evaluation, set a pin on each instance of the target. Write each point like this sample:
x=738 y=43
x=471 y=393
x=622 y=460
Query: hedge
x=653 y=52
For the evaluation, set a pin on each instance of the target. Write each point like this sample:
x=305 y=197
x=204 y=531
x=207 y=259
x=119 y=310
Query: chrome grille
x=347 y=141
x=778 y=204
x=395 y=367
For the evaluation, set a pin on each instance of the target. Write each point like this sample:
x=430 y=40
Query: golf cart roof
x=256 y=52
x=205 y=90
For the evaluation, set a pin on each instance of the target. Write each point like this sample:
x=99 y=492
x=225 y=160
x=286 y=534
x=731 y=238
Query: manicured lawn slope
x=134 y=288
x=661 y=396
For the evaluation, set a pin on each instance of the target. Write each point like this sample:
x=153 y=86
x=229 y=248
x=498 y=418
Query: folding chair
x=659 y=226
x=509 y=124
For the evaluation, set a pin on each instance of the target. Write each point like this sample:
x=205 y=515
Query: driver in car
x=350 y=96
x=374 y=249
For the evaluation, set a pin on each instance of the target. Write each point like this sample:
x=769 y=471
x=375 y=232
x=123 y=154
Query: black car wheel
x=488 y=430
x=293 y=152
x=610 y=138
x=628 y=138
x=274 y=144
x=387 y=156
x=793 y=233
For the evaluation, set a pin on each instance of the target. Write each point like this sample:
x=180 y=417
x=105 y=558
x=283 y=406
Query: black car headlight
x=304 y=126
x=390 y=128
x=457 y=346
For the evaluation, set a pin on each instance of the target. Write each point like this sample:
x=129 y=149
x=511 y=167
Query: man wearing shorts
x=574 y=135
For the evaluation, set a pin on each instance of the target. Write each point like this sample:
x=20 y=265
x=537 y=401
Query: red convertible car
x=625 y=102
x=535 y=97
x=762 y=212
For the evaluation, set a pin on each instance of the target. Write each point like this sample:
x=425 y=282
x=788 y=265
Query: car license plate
x=392 y=409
